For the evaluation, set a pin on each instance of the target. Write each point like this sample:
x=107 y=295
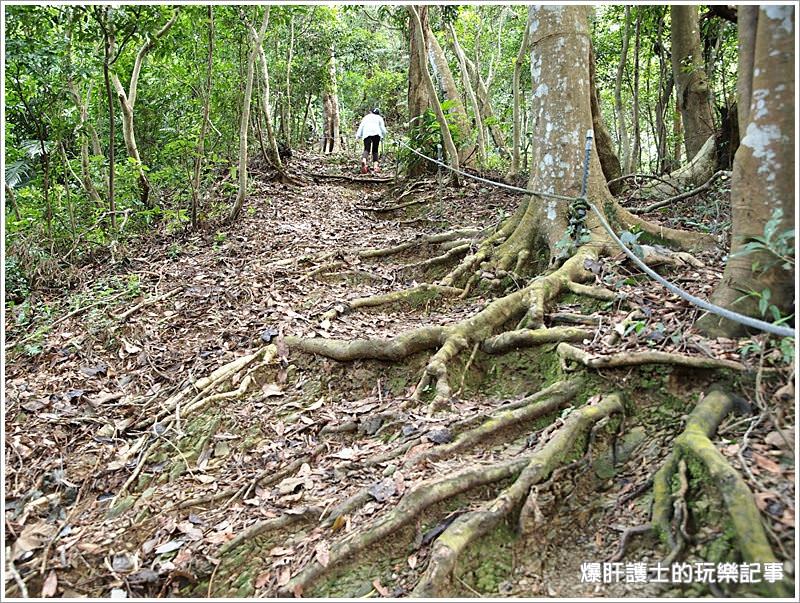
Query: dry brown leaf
x=50 y=584
x=412 y=561
x=262 y=579
x=766 y=463
x=284 y=576
x=322 y=553
x=384 y=592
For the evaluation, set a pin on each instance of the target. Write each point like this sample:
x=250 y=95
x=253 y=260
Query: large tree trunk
x=127 y=101
x=516 y=121
x=418 y=98
x=763 y=171
x=331 y=141
x=256 y=39
x=691 y=82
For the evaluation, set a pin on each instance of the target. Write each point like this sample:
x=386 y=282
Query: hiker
x=371 y=130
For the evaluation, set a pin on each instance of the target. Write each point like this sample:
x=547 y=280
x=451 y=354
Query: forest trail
x=312 y=435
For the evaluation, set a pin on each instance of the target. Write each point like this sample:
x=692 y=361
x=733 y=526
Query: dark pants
x=371 y=146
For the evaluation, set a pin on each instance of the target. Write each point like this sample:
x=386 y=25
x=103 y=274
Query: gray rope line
x=700 y=303
x=748 y=321
x=487 y=181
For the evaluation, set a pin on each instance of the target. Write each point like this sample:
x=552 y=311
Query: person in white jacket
x=371 y=130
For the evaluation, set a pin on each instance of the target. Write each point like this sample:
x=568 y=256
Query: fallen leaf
x=187 y=527
x=412 y=561
x=262 y=579
x=33 y=537
x=322 y=553
x=766 y=463
x=346 y=454
x=50 y=584
x=384 y=592
x=284 y=576
x=383 y=490
x=339 y=523
x=168 y=547
x=271 y=389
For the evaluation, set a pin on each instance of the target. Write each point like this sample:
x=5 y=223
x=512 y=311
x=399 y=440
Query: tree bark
x=485 y=103
x=763 y=171
x=516 y=122
x=244 y=122
x=456 y=112
x=127 y=101
x=418 y=97
x=450 y=147
x=748 y=21
x=636 y=145
x=331 y=141
x=462 y=63
x=625 y=149
x=273 y=155
x=691 y=82
x=200 y=151
x=609 y=162
x=286 y=114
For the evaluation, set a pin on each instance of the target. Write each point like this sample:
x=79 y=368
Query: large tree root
x=409 y=508
x=568 y=352
x=470 y=526
x=695 y=444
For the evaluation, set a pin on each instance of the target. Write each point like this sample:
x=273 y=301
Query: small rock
x=440 y=436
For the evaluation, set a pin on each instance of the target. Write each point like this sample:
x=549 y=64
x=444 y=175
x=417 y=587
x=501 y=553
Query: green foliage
x=777 y=247
x=17 y=285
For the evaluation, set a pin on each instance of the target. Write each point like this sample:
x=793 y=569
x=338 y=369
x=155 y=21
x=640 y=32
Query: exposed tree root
x=409 y=508
x=276 y=523
x=363 y=179
x=467 y=528
x=695 y=444
x=523 y=338
x=434 y=239
x=569 y=352
x=698 y=170
x=690 y=193
x=507 y=420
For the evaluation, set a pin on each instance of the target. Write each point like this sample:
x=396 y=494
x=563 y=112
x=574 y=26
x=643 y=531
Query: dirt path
x=107 y=490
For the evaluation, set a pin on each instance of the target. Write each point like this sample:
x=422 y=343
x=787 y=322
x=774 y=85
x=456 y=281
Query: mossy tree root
x=514 y=419
x=470 y=526
x=531 y=301
x=434 y=239
x=414 y=296
x=569 y=352
x=410 y=507
x=514 y=416
x=695 y=444
x=524 y=338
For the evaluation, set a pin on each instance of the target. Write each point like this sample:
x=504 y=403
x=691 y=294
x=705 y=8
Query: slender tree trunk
x=625 y=149
x=609 y=161
x=450 y=147
x=485 y=104
x=691 y=83
x=109 y=44
x=516 y=125
x=286 y=115
x=636 y=145
x=763 y=172
x=462 y=63
x=13 y=199
x=200 y=151
x=272 y=144
x=256 y=40
x=127 y=101
x=456 y=112
x=330 y=107
x=747 y=23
